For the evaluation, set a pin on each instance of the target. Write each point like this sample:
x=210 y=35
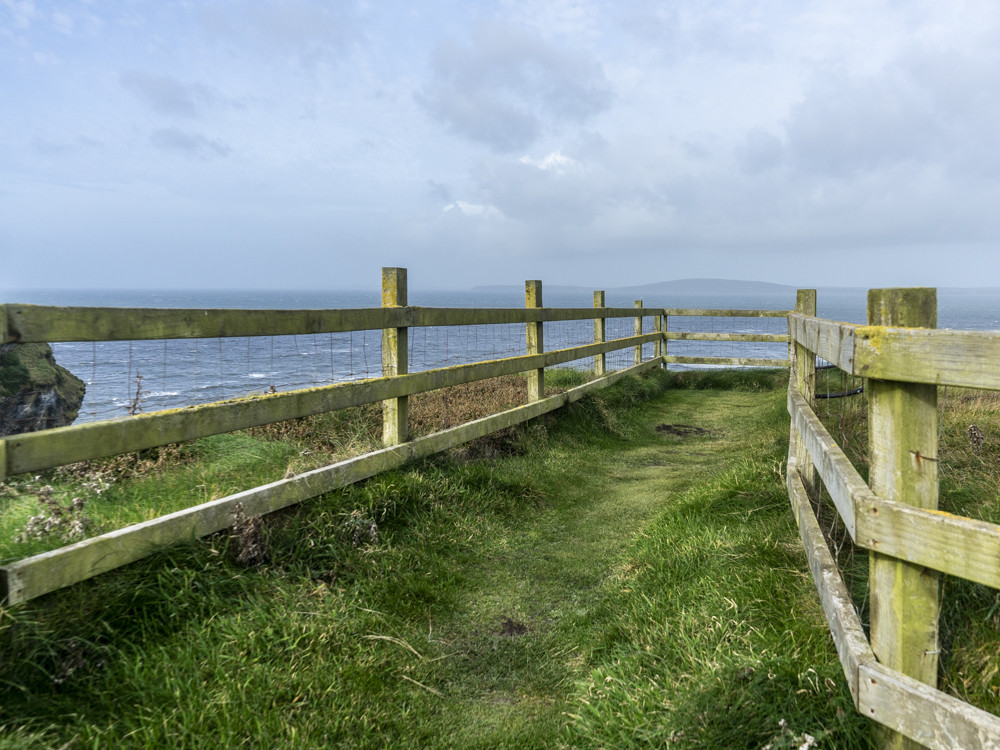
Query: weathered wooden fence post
x=658 y=327
x=535 y=340
x=803 y=364
x=600 y=330
x=395 y=411
x=903 y=457
x=637 y=328
x=665 y=327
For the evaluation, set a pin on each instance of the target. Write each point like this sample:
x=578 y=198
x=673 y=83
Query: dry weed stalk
x=247 y=533
x=67 y=522
x=976 y=438
x=138 y=399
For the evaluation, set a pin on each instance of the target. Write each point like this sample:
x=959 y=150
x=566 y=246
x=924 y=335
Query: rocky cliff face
x=35 y=392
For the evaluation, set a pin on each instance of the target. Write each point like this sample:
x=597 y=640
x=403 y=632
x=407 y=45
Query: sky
x=305 y=144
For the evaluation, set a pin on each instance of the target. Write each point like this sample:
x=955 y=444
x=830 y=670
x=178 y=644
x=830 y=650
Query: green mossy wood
x=903 y=456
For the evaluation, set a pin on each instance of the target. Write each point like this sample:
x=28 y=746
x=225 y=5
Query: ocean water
x=130 y=376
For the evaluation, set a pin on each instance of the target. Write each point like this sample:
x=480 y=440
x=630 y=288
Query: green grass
x=200 y=471
x=598 y=582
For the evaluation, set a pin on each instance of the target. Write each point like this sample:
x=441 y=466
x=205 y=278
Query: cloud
x=21 y=12
x=439 y=191
x=679 y=30
x=760 y=151
x=508 y=86
x=169 y=96
x=471 y=209
x=46 y=58
x=63 y=23
x=192 y=144
x=554 y=161
x=926 y=109
x=544 y=192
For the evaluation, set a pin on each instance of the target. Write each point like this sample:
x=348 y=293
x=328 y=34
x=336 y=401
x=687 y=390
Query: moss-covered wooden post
x=637 y=328
x=600 y=331
x=903 y=466
x=803 y=375
x=535 y=340
x=664 y=327
x=395 y=411
x=658 y=327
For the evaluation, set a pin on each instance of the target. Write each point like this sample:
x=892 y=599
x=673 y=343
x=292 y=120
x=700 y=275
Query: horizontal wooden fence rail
x=894 y=529
x=720 y=313
x=967 y=359
x=704 y=336
x=726 y=361
x=36 y=323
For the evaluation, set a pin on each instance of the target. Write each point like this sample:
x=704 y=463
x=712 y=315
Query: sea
x=130 y=377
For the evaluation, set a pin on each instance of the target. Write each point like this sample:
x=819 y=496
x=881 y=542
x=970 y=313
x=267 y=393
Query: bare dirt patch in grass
x=512 y=627
x=681 y=430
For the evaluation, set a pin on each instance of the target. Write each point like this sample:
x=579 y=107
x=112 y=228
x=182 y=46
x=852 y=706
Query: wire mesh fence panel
x=129 y=377
x=433 y=347
x=566 y=334
x=722 y=326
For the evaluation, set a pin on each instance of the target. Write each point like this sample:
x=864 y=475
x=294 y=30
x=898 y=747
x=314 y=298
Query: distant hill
x=721 y=286
x=690 y=286
x=708 y=286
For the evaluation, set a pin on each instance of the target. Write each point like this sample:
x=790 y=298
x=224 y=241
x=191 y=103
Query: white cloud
x=63 y=23
x=21 y=12
x=46 y=58
x=471 y=209
x=554 y=161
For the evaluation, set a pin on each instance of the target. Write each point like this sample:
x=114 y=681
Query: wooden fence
x=892 y=678
x=40 y=574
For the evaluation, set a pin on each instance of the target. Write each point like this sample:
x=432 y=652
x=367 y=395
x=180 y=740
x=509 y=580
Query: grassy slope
x=601 y=584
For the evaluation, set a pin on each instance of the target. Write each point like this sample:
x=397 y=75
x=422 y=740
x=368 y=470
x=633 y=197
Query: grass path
x=549 y=575
x=606 y=585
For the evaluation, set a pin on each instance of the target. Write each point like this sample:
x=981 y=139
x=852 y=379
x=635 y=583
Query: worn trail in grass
x=535 y=591
x=601 y=583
